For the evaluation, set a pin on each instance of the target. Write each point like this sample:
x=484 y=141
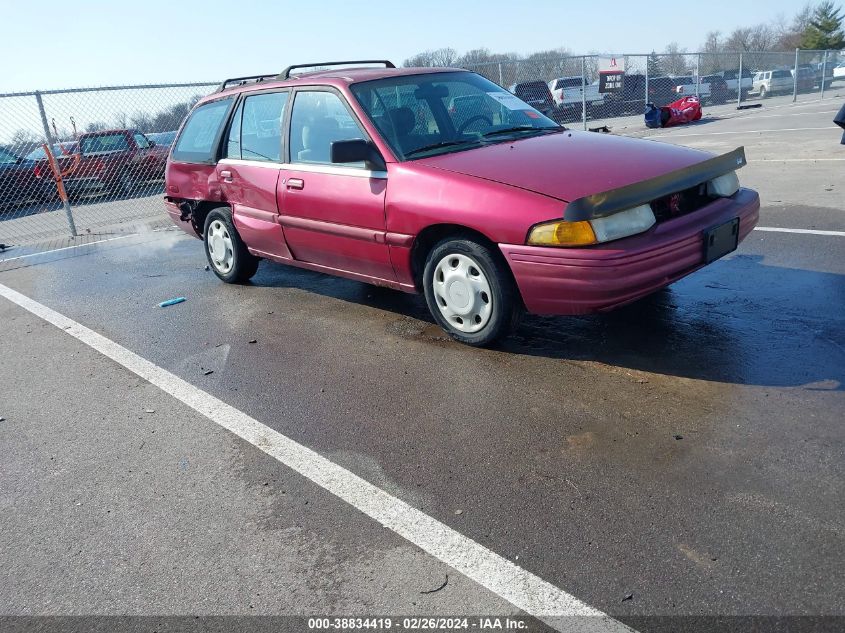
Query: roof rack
x=243 y=80
x=285 y=74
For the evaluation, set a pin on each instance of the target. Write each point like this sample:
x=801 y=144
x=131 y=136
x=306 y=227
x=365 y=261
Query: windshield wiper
x=426 y=148
x=522 y=128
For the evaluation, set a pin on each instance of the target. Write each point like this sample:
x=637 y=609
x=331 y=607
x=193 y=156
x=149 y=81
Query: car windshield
x=109 y=142
x=422 y=115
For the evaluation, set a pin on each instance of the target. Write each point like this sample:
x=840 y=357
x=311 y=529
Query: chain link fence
x=90 y=161
x=86 y=162
x=569 y=89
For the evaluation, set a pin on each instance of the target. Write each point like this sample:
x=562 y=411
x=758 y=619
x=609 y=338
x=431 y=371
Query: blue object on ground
x=171 y=302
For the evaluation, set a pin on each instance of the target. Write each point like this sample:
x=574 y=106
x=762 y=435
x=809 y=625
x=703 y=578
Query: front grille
x=677 y=204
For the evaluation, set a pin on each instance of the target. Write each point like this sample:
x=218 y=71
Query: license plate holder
x=721 y=240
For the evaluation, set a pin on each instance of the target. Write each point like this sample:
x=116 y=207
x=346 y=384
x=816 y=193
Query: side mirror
x=151 y=143
x=356 y=151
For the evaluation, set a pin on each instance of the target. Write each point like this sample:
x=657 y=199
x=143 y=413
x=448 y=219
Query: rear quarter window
x=200 y=136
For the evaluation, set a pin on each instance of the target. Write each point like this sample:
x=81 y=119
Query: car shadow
x=736 y=321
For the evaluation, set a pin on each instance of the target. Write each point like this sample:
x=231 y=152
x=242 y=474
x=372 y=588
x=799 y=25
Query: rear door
x=248 y=172
x=332 y=214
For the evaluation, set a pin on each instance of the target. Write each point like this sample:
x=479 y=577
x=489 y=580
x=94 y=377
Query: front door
x=248 y=173
x=332 y=214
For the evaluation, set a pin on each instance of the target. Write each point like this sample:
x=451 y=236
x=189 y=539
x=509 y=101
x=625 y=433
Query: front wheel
x=226 y=253
x=470 y=292
x=763 y=92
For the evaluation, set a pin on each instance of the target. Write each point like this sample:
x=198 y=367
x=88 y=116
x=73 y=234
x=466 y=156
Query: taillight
x=37 y=171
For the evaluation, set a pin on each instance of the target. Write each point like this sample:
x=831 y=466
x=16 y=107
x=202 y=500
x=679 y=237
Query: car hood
x=569 y=165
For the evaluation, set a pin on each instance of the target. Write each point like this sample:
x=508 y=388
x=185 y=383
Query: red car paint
x=366 y=228
x=106 y=168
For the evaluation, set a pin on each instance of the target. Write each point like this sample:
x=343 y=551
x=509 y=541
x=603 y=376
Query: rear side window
x=261 y=126
x=198 y=141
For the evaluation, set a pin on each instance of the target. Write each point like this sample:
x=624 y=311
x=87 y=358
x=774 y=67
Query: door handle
x=296 y=183
x=226 y=175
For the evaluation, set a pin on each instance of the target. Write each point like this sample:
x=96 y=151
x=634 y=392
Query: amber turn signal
x=560 y=233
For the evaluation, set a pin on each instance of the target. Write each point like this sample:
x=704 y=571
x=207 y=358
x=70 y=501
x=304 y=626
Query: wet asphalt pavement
x=686 y=450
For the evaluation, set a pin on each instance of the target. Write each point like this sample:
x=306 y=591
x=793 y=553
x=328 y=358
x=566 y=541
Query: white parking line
x=781 y=115
x=791 y=129
x=777 y=229
x=528 y=592
x=793 y=160
x=66 y=248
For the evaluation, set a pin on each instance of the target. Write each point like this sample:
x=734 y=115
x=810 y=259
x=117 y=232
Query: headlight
x=613 y=227
x=723 y=186
x=624 y=223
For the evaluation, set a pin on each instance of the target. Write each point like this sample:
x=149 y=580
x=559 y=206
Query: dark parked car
x=719 y=92
x=18 y=183
x=538 y=96
x=631 y=99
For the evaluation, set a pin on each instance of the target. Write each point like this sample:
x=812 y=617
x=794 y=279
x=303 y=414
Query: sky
x=49 y=44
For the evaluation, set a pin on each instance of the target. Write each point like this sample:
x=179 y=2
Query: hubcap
x=462 y=293
x=220 y=247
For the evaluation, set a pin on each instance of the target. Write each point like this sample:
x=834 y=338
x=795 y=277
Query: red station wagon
x=373 y=174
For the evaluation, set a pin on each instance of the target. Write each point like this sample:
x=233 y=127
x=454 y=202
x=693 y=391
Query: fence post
x=51 y=143
x=795 y=78
x=645 y=96
x=824 y=73
x=698 y=75
x=501 y=80
x=584 y=91
x=739 y=83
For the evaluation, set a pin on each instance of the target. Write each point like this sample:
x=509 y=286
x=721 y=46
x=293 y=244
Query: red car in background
x=114 y=161
x=487 y=213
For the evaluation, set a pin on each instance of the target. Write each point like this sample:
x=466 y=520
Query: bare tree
x=95 y=126
x=713 y=43
x=548 y=65
x=438 y=57
x=674 y=61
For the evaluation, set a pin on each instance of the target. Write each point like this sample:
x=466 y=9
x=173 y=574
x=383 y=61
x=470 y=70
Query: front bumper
x=602 y=277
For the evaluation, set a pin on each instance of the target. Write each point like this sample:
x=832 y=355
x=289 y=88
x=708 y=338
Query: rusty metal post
x=51 y=142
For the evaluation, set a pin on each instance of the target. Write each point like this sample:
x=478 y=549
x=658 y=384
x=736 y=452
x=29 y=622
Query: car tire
x=763 y=92
x=225 y=251
x=470 y=291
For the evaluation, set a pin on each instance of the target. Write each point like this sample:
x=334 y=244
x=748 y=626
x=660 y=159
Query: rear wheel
x=226 y=252
x=470 y=292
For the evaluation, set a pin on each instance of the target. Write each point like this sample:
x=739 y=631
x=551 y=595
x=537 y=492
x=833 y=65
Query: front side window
x=141 y=140
x=197 y=142
x=319 y=118
x=421 y=115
